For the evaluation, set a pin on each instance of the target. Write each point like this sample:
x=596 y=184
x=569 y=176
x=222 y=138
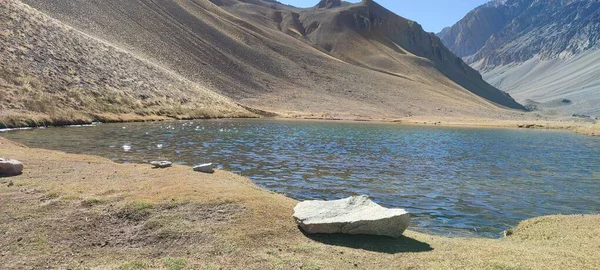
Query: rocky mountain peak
x=329 y=3
x=505 y=31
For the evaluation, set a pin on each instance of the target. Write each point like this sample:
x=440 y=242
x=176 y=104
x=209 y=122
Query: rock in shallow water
x=354 y=215
x=161 y=164
x=205 y=168
x=10 y=167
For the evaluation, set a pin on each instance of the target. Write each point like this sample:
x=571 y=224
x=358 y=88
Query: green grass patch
x=136 y=210
x=134 y=265
x=41 y=241
x=175 y=264
x=52 y=195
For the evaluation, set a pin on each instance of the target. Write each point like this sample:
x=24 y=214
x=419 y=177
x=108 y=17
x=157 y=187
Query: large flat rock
x=10 y=167
x=354 y=215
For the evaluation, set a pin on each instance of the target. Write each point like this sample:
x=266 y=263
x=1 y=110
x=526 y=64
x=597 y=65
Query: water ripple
x=455 y=181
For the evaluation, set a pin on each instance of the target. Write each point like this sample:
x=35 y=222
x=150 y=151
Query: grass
x=503 y=266
x=136 y=210
x=103 y=84
x=134 y=265
x=90 y=202
x=590 y=129
x=175 y=264
x=140 y=221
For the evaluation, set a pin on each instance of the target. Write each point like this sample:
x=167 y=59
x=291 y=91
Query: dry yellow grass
x=53 y=74
x=589 y=129
x=80 y=212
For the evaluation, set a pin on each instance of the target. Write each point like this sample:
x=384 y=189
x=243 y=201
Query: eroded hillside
x=318 y=62
x=52 y=74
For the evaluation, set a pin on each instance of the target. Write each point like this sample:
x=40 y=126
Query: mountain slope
x=317 y=61
x=62 y=76
x=541 y=52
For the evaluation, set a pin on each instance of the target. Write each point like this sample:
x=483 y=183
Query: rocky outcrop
x=329 y=3
x=534 y=50
x=512 y=31
x=470 y=34
x=354 y=215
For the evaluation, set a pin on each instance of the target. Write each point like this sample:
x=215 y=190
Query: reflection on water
x=456 y=181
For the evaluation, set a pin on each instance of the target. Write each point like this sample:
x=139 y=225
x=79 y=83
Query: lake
x=454 y=181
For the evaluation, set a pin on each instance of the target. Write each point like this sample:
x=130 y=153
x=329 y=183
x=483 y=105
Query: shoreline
x=63 y=218
x=583 y=128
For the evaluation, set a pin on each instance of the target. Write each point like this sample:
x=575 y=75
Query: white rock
x=161 y=164
x=205 y=168
x=354 y=215
x=10 y=167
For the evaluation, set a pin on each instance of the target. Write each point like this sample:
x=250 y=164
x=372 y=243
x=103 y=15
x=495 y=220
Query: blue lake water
x=455 y=181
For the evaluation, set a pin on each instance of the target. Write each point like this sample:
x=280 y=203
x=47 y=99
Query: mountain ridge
x=533 y=50
x=348 y=62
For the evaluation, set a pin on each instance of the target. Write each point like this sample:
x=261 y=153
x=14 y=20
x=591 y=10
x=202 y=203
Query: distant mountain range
x=545 y=53
x=334 y=60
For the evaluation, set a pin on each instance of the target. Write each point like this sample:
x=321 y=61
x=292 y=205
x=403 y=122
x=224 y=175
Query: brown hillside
x=50 y=73
x=293 y=61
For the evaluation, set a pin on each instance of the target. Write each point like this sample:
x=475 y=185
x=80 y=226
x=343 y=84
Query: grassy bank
x=82 y=212
x=591 y=129
x=571 y=124
x=23 y=120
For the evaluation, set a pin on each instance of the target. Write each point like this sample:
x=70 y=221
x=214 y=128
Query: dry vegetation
x=590 y=129
x=294 y=62
x=82 y=212
x=52 y=74
x=120 y=66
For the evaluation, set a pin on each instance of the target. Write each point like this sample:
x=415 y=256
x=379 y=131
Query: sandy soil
x=80 y=212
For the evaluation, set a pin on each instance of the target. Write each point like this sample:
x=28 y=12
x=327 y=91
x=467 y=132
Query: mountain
x=544 y=53
x=333 y=60
x=53 y=74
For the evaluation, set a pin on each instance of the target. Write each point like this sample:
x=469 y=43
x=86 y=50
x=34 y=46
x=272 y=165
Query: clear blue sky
x=433 y=15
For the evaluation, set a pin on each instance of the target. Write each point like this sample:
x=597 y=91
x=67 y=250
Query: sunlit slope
x=562 y=86
x=544 y=53
x=50 y=73
x=261 y=54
